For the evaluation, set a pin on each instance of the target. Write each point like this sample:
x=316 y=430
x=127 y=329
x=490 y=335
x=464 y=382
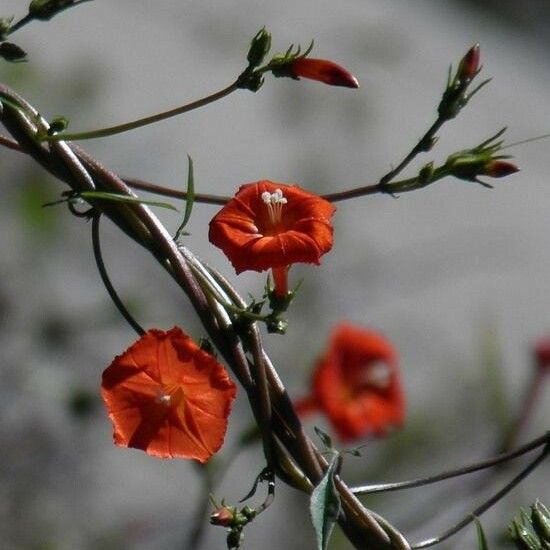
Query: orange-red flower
x=273 y=225
x=168 y=397
x=356 y=384
x=323 y=71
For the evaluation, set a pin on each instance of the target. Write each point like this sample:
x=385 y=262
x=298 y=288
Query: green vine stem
x=140 y=122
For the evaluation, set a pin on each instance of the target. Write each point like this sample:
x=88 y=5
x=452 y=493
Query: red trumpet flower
x=356 y=384
x=323 y=71
x=270 y=225
x=168 y=397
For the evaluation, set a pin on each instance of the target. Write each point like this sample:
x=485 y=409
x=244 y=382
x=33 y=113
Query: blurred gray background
x=457 y=276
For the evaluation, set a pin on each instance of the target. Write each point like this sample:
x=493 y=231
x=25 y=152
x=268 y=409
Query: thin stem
x=486 y=505
x=138 y=123
x=173 y=193
x=105 y=277
x=422 y=145
x=386 y=487
x=401 y=186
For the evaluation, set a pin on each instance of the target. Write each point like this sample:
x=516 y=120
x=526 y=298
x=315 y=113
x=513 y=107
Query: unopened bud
x=224 y=516
x=542 y=354
x=46 y=9
x=323 y=71
x=12 y=52
x=259 y=47
x=499 y=168
x=469 y=64
x=5 y=24
x=522 y=536
x=540 y=517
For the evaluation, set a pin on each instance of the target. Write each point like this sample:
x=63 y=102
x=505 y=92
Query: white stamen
x=163 y=399
x=377 y=375
x=274 y=202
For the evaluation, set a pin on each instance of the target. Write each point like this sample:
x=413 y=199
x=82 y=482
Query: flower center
x=274 y=203
x=375 y=375
x=163 y=399
x=169 y=396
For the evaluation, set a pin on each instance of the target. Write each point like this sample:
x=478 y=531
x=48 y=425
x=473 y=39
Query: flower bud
x=323 y=71
x=11 y=52
x=224 y=516
x=259 y=47
x=5 y=24
x=46 y=9
x=522 y=534
x=540 y=517
x=469 y=64
x=542 y=354
x=499 y=168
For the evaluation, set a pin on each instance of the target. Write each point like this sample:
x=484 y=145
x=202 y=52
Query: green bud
x=12 y=52
x=251 y=80
x=57 y=125
x=46 y=9
x=5 y=24
x=523 y=537
x=540 y=518
x=259 y=47
x=249 y=513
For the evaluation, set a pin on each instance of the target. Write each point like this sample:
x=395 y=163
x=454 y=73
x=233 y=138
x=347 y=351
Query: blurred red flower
x=356 y=384
x=168 y=397
x=273 y=225
x=323 y=71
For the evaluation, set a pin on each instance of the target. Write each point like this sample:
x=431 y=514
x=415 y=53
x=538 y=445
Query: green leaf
x=189 y=200
x=102 y=195
x=481 y=536
x=324 y=504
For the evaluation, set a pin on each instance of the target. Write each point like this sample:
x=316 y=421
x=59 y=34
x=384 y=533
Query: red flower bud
x=222 y=516
x=499 y=168
x=469 y=64
x=324 y=71
x=541 y=352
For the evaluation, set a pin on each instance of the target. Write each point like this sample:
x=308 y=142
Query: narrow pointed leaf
x=324 y=504
x=101 y=195
x=481 y=539
x=189 y=199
